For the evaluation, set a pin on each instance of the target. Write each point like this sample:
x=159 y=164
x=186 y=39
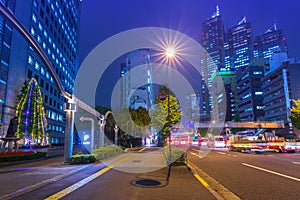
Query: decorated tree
x=31 y=114
x=295 y=111
x=167 y=112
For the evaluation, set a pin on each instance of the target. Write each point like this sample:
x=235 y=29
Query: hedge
x=82 y=159
x=106 y=152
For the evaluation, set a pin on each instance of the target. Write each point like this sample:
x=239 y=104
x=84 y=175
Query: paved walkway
x=178 y=181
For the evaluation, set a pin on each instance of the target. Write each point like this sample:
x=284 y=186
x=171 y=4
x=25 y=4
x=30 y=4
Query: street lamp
x=116 y=134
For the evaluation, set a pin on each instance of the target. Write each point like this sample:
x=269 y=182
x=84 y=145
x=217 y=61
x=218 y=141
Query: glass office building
x=55 y=26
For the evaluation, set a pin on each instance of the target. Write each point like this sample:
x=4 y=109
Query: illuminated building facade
x=272 y=41
x=240 y=44
x=55 y=26
x=250 y=93
x=212 y=40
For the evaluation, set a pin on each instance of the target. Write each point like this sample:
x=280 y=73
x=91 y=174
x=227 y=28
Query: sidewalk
x=176 y=182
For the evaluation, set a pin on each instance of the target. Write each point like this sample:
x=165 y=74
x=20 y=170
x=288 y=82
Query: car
x=219 y=142
x=202 y=141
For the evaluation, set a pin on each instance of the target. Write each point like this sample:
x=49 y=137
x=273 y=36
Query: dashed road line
x=297 y=163
x=228 y=154
x=272 y=172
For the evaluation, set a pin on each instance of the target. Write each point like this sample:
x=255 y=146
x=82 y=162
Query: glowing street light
x=170 y=52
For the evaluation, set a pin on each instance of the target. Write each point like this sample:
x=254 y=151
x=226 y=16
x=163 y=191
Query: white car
x=219 y=142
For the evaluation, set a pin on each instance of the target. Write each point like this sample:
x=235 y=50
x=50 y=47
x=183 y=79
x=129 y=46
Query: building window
x=40 y=26
x=32 y=31
x=29 y=74
x=37 y=65
x=42 y=70
x=30 y=60
x=33 y=18
x=42 y=83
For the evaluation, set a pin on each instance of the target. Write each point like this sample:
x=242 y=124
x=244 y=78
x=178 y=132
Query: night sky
x=105 y=18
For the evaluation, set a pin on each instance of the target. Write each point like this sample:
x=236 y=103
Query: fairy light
x=32 y=102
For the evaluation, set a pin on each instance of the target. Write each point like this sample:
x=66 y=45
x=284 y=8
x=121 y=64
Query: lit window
x=47 y=75
x=40 y=26
x=45 y=34
x=32 y=31
x=50 y=40
x=44 y=45
x=33 y=18
x=30 y=60
x=257 y=72
x=37 y=65
x=42 y=70
x=53 y=116
x=39 y=39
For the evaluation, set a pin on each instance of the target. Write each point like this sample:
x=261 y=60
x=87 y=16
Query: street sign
x=162 y=96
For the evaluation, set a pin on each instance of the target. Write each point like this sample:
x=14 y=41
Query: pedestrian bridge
x=258 y=125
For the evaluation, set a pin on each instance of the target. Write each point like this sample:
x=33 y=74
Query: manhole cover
x=147 y=183
x=136 y=161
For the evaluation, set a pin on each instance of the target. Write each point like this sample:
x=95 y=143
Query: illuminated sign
x=86 y=138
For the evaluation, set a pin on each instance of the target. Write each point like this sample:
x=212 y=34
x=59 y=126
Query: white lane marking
x=297 y=163
x=272 y=172
x=228 y=154
x=194 y=154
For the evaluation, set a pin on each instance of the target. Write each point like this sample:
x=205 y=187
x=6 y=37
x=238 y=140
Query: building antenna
x=243 y=20
x=217 y=13
x=272 y=28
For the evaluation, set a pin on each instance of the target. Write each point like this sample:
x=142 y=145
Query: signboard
x=162 y=96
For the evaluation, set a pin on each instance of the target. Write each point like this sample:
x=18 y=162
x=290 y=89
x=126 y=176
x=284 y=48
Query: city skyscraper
x=240 y=44
x=250 y=93
x=272 y=41
x=55 y=26
x=133 y=94
x=212 y=40
x=5 y=53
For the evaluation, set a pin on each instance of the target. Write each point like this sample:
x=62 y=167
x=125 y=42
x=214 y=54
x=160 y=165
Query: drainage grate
x=136 y=161
x=147 y=183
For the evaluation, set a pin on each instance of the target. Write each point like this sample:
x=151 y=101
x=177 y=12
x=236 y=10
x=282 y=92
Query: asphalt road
x=253 y=176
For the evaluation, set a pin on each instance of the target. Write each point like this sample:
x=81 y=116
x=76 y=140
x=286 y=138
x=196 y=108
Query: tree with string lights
x=31 y=114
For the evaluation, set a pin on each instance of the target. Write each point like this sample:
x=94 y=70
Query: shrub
x=83 y=159
x=177 y=156
x=106 y=152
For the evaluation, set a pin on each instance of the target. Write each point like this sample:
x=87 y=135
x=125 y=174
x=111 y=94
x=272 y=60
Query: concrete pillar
x=70 y=109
